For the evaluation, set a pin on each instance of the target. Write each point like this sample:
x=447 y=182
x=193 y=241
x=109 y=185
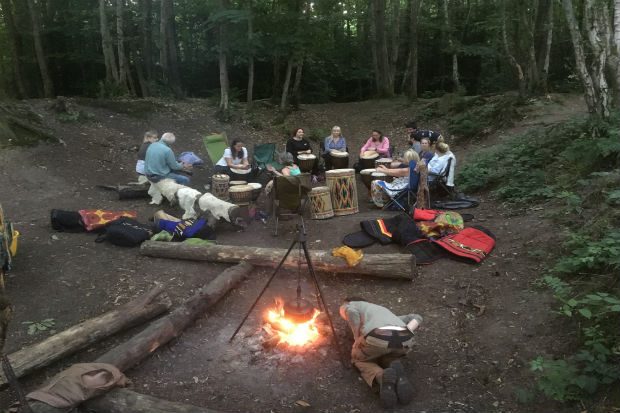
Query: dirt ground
x=465 y=360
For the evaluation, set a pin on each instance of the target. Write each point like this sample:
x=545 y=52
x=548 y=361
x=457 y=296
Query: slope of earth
x=483 y=323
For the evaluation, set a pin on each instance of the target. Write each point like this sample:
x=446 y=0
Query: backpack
x=66 y=221
x=126 y=232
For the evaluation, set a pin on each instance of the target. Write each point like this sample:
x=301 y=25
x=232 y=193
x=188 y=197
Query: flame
x=293 y=334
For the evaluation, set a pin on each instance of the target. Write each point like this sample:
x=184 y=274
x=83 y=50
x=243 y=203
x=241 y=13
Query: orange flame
x=294 y=334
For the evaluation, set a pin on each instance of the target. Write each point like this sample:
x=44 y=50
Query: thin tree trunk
x=223 y=62
x=275 y=88
x=297 y=82
x=616 y=54
x=580 y=60
x=382 y=49
x=111 y=71
x=374 y=46
x=543 y=33
x=413 y=45
x=146 y=33
x=9 y=21
x=395 y=46
x=287 y=83
x=48 y=86
x=168 y=51
x=406 y=73
x=597 y=19
x=456 y=83
x=250 y=92
x=122 y=58
x=511 y=59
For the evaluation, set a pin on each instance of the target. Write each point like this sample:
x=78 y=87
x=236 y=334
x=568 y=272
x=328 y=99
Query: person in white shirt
x=439 y=162
x=235 y=158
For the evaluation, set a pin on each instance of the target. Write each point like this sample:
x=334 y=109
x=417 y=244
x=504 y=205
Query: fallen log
x=127 y=401
x=380 y=265
x=39 y=355
x=158 y=333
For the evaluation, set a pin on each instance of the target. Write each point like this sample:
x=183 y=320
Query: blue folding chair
x=406 y=198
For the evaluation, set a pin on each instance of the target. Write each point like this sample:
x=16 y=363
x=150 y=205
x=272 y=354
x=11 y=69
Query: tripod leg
x=263 y=291
x=320 y=293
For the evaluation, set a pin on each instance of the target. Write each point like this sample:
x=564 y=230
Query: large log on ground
x=161 y=331
x=158 y=333
x=127 y=401
x=379 y=265
x=133 y=313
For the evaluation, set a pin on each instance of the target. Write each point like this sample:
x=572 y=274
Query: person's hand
x=382 y=168
x=270 y=168
x=187 y=166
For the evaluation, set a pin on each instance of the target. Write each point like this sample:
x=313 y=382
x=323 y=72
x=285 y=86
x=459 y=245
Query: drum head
x=235 y=183
x=385 y=160
x=338 y=154
x=240 y=171
x=305 y=156
x=367 y=155
x=255 y=185
x=358 y=239
x=240 y=188
x=340 y=171
x=368 y=171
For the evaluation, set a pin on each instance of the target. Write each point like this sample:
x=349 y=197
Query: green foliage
x=588 y=255
x=477 y=116
x=37 y=326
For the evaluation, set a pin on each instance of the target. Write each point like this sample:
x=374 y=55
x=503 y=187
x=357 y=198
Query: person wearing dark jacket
x=381 y=340
x=416 y=135
x=298 y=145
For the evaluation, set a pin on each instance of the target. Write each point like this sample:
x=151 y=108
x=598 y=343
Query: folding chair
x=406 y=199
x=215 y=146
x=264 y=155
x=290 y=198
x=444 y=180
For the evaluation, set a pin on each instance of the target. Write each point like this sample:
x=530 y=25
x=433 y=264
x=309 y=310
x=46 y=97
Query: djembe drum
x=367 y=176
x=219 y=186
x=306 y=161
x=240 y=194
x=240 y=174
x=368 y=161
x=256 y=190
x=321 y=202
x=381 y=177
x=340 y=160
x=236 y=183
x=343 y=190
x=387 y=162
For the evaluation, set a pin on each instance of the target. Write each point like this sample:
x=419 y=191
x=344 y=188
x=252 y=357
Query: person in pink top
x=377 y=143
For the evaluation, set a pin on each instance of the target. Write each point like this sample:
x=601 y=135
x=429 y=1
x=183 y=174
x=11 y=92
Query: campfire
x=290 y=329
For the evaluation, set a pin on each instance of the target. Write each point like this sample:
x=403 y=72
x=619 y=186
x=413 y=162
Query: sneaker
x=387 y=392
x=404 y=389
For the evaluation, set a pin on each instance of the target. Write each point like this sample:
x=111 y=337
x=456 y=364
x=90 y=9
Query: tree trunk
x=599 y=32
x=381 y=47
x=616 y=50
x=158 y=333
x=127 y=401
x=395 y=45
x=456 y=83
x=250 y=91
x=275 y=88
x=297 y=83
x=543 y=33
x=111 y=71
x=36 y=356
x=146 y=33
x=168 y=51
x=400 y=266
x=123 y=70
x=287 y=84
x=48 y=86
x=223 y=61
x=511 y=59
x=580 y=60
x=413 y=45
x=14 y=45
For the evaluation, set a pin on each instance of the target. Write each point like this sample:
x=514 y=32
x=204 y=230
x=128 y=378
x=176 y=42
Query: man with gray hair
x=381 y=340
x=160 y=162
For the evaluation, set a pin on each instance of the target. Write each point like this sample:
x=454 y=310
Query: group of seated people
x=156 y=159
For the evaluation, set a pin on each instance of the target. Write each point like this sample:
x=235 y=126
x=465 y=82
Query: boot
x=404 y=389
x=387 y=392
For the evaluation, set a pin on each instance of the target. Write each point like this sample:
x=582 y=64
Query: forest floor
x=465 y=359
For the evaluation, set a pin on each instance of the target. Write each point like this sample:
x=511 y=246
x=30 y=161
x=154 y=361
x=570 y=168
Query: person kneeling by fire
x=381 y=339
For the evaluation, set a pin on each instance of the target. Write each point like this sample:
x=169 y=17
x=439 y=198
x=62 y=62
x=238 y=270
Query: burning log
x=39 y=355
x=158 y=333
x=400 y=266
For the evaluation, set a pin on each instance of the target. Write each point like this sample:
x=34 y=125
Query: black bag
x=66 y=221
x=126 y=232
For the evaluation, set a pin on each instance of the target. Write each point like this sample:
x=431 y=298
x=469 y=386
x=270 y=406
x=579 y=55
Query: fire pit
x=291 y=328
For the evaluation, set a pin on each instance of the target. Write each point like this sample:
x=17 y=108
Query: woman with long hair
x=235 y=158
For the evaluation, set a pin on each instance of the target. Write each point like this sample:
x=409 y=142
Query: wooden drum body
x=306 y=161
x=219 y=186
x=387 y=162
x=240 y=194
x=321 y=203
x=368 y=162
x=256 y=190
x=381 y=176
x=340 y=160
x=343 y=190
x=367 y=176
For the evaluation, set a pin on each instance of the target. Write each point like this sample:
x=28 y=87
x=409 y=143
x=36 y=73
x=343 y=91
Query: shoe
x=387 y=392
x=404 y=389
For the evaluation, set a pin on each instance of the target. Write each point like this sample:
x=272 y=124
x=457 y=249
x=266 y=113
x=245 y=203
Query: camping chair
x=290 y=198
x=215 y=146
x=444 y=180
x=264 y=155
x=405 y=199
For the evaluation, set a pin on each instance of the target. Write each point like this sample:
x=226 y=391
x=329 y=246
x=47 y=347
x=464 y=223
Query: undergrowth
x=574 y=168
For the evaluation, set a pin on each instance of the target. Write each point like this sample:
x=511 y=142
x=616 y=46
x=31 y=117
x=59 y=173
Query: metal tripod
x=301 y=239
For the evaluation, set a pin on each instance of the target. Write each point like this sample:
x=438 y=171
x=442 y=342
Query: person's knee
x=182 y=180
